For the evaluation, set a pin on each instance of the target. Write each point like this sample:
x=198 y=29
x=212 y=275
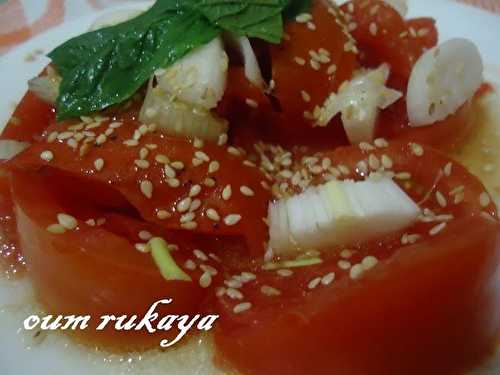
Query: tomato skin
x=91 y=271
x=428 y=310
x=396 y=41
x=31 y=117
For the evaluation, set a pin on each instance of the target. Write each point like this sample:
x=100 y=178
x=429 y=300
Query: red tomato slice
x=429 y=307
x=383 y=36
x=124 y=173
x=297 y=86
x=93 y=271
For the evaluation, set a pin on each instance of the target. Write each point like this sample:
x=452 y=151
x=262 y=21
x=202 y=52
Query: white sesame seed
x=441 y=199
x=222 y=140
x=484 y=199
x=178 y=165
x=90 y=222
x=251 y=103
x=209 y=182
x=47 y=156
x=145 y=235
x=314 y=283
x=115 y=125
x=64 y=135
x=314 y=64
x=163 y=214
x=67 y=221
x=186 y=218
x=331 y=69
x=380 y=143
x=101 y=139
x=284 y=272
x=213 y=166
x=299 y=60
x=369 y=262
x=198 y=143
x=131 y=142
x=356 y=271
x=346 y=253
x=205 y=280
x=304 y=18
x=202 y=156
x=234 y=293
x=246 y=191
x=387 y=162
x=232 y=219
x=373 y=28
x=99 y=164
x=141 y=164
x=56 y=229
x=365 y=146
x=195 y=190
x=213 y=214
x=417 y=149
x=52 y=137
x=195 y=204
x=403 y=176
x=190 y=265
x=233 y=151
x=147 y=188
x=447 y=169
x=242 y=307
x=269 y=291
x=436 y=229
x=227 y=192
x=183 y=205
x=197 y=162
x=190 y=225
x=143 y=153
x=373 y=162
x=328 y=278
x=344 y=264
x=173 y=182
x=305 y=96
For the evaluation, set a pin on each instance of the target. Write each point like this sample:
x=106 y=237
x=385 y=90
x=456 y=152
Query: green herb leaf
x=108 y=66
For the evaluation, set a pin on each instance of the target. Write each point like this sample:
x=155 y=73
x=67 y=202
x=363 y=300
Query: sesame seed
x=163 y=214
x=269 y=291
x=145 y=235
x=213 y=214
x=233 y=151
x=314 y=283
x=305 y=96
x=417 y=149
x=67 y=221
x=441 y=199
x=169 y=171
x=356 y=271
x=346 y=253
x=197 y=162
x=365 y=146
x=202 y=156
x=195 y=204
x=186 y=218
x=56 y=229
x=331 y=69
x=195 y=190
x=284 y=272
x=484 y=199
x=200 y=255
x=142 y=164
x=232 y=219
x=328 y=278
x=242 y=307
x=183 y=205
x=162 y=159
x=246 y=191
x=147 y=188
x=304 y=18
x=403 y=176
x=205 y=280
x=178 y=165
x=64 y=135
x=227 y=192
x=222 y=140
x=209 y=182
x=344 y=264
x=380 y=143
x=101 y=139
x=251 y=103
x=198 y=143
x=436 y=229
x=369 y=262
x=234 y=293
x=311 y=26
x=190 y=265
x=387 y=162
x=314 y=64
x=99 y=164
x=143 y=153
x=373 y=28
x=447 y=169
x=115 y=125
x=190 y=225
x=173 y=182
x=131 y=142
x=213 y=166
x=47 y=156
x=52 y=137
x=373 y=162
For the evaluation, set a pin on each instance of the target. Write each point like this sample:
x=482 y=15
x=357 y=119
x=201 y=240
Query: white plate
x=453 y=20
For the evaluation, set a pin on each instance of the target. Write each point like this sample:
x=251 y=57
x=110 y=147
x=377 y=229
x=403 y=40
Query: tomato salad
x=282 y=165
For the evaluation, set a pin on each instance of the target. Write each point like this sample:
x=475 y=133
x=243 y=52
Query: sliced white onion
x=114 y=18
x=401 y=6
x=339 y=213
x=442 y=80
x=200 y=77
x=178 y=118
x=251 y=65
x=359 y=100
x=45 y=87
x=10 y=148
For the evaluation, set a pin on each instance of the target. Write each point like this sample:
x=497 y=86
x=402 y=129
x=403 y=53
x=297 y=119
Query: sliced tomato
x=31 y=117
x=96 y=270
x=428 y=307
x=125 y=175
x=383 y=36
x=296 y=88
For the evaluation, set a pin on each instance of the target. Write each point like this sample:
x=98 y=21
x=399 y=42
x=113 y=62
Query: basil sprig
x=107 y=66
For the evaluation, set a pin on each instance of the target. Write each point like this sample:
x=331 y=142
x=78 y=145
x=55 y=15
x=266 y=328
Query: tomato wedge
x=175 y=185
x=96 y=269
x=428 y=306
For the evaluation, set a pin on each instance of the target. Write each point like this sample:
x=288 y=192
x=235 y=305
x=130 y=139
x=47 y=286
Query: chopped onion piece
x=45 y=87
x=114 y=18
x=164 y=261
x=178 y=118
x=10 y=148
x=200 y=77
x=442 y=80
x=252 y=68
x=359 y=102
x=339 y=213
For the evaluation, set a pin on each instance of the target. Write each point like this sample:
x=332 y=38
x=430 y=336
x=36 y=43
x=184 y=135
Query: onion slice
x=251 y=64
x=442 y=80
x=10 y=148
x=45 y=87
